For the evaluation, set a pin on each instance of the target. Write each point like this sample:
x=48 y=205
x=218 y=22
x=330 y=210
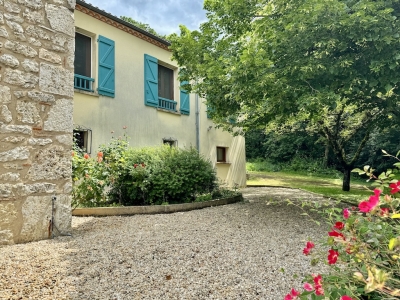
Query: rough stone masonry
x=36 y=102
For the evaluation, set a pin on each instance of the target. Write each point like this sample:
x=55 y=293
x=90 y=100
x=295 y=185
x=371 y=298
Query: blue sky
x=164 y=16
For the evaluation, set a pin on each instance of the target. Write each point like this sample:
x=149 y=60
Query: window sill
x=223 y=163
x=169 y=111
x=93 y=94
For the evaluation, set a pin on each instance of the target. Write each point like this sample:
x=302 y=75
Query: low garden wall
x=152 y=209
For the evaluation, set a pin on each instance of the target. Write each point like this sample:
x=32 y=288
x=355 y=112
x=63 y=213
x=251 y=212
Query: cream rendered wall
x=147 y=126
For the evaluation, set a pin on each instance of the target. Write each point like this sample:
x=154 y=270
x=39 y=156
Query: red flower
x=384 y=212
x=288 y=297
x=367 y=206
x=317 y=279
x=86 y=156
x=339 y=225
x=293 y=295
x=306 y=251
x=395 y=187
x=318 y=285
x=72 y=153
x=346 y=213
x=345 y=297
x=310 y=245
x=135 y=165
x=332 y=256
x=319 y=290
x=308 y=287
x=336 y=234
x=100 y=154
x=143 y=165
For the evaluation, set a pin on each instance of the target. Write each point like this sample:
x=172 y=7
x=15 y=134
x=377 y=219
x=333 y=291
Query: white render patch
x=28 y=112
x=49 y=56
x=30 y=66
x=9 y=60
x=19 y=153
x=56 y=80
x=3 y=32
x=60 y=116
x=5 y=94
x=65 y=139
x=14 y=139
x=24 y=129
x=17 y=47
x=10 y=176
x=5 y=114
x=41 y=97
x=39 y=142
x=35 y=4
x=61 y=19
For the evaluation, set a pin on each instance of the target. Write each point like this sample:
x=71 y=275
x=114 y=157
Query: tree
x=143 y=26
x=333 y=64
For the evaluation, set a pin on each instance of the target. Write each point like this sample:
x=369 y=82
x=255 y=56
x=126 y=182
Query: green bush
x=141 y=176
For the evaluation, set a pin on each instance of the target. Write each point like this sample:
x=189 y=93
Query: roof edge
x=116 y=19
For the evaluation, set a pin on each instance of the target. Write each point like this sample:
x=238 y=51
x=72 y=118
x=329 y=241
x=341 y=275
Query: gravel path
x=235 y=251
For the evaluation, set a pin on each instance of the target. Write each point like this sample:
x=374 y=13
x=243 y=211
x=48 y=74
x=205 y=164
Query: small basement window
x=221 y=154
x=83 y=139
x=170 y=141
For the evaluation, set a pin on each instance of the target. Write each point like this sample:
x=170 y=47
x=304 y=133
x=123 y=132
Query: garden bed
x=152 y=209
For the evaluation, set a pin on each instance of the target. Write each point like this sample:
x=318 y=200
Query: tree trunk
x=326 y=156
x=346 y=179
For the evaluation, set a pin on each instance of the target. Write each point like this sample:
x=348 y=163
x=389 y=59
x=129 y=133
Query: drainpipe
x=197 y=122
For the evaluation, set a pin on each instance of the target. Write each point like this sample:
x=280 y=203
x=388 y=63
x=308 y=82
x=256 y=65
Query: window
x=170 y=141
x=165 y=83
x=83 y=138
x=159 y=87
x=83 y=63
x=221 y=154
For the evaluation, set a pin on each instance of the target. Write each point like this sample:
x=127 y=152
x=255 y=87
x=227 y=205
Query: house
x=124 y=77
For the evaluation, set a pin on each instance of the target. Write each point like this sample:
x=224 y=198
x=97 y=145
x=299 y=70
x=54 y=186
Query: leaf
x=396 y=216
x=393 y=243
x=384 y=152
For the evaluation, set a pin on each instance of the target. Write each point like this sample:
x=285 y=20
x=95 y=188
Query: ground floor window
x=83 y=138
x=221 y=154
x=170 y=141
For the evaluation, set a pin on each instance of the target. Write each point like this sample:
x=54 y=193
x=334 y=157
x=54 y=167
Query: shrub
x=140 y=176
x=364 y=247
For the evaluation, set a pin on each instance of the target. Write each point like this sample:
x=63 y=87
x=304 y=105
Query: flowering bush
x=363 y=247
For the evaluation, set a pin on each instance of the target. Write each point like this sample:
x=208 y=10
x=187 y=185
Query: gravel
x=247 y=250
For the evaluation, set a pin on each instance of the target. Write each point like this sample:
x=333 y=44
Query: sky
x=164 y=16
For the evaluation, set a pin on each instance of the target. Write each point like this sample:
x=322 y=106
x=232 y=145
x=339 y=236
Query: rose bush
x=363 y=247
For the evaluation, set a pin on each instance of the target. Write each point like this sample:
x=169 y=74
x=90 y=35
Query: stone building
x=36 y=104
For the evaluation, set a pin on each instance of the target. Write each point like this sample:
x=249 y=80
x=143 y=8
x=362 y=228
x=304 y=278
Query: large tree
x=332 y=64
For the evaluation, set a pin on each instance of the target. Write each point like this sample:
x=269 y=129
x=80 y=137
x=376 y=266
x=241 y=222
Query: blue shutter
x=184 y=100
x=106 y=67
x=150 y=80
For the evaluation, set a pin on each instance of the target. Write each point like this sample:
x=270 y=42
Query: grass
x=326 y=185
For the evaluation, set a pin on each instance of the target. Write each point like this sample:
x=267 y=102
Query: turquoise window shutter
x=106 y=79
x=184 y=100
x=150 y=80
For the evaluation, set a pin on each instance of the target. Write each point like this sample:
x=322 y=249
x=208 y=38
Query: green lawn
x=321 y=184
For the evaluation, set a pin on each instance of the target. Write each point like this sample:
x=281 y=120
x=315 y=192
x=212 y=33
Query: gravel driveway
x=234 y=251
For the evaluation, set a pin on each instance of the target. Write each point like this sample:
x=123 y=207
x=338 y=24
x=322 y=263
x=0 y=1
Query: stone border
x=152 y=209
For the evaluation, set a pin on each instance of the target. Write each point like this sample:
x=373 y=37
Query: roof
x=122 y=22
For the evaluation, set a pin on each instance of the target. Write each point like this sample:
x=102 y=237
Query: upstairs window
x=83 y=63
x=83 y=55
x=165 y=83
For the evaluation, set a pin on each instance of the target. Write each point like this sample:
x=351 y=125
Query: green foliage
x=331 y=65
x=143 y=26
x=367 y=244
x=141 y=176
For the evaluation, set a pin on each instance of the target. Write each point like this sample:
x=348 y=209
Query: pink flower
x=395 y=187
x=308 y=287
x=346 y=213
x=345 y=297
x=367 y=206
x=288 y=297
x=339 y=225
x=293 y=295
x=332 y=256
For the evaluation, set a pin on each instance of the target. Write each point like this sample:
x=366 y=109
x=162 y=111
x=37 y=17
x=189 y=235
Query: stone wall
x=36 y=103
